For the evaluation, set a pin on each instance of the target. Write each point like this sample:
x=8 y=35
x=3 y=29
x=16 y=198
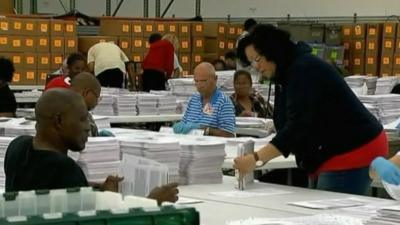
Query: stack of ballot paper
x=201 y=162
x=17 y=127
x=102 y=122
x=141 y=175
x=183 y=89
x=388 y=105
x=166 y=104
x=362 y=85
x=161 y=150
x=27 y=96
x=105 y=106
x=225 y=80
x=100 y=158
x=389 y=215
x=4 y=142
x=126 y=105
x=385 y=85
x=147 y=104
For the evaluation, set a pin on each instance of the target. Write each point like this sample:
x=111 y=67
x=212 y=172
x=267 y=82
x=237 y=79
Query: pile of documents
x=389 y=215
x=27 y=96
x=102 y=122
x=106 y=106
x=201 y=162
x=388 y=106
x=183 y=89
x=141 y=175
x=147 y=104
x=225 y=80
x=385 y=85
x=126 y=105
x=162 y=150
x=166 y=104
x=362 y=85
x=19 y=127
x=4 y=142
x=100 y=158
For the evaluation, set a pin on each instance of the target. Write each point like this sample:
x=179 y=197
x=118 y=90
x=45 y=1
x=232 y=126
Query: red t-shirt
x=59 y=82
x=160 y=57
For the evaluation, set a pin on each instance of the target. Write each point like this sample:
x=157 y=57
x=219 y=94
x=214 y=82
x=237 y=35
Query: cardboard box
x=372 y=46
x=388 y=46
x=185 y=44
x=5 y=43
x=70 y=44
x=30 y=43
x=18 y=60
x=333 y=35
x=358 y=64
x=57 y=27
x=86 y=42
x=43 y=61
x=209 y=57
x=214 y=29
x=396 y=72
x=172 y=28
x=137 y=29
x=30 y=60
x=56 y=61
x=24 y=77
x=386 y=65
x=230 y=44
x=137 y=56
x=347 y=32
x=5 y=27
x=371 y=65
x=213 y=45
x=70 y=28
x=198 y=44
x=359 y=31
x=186 y=72
x=396 y=61
x=43 y=44
x=198 y=29
x=185 y=60
x=43 y=27
x=231 y=31
x=7 y=7
x=17 y=26
x=359 y=46
x=239 y=29
x=160 y=27
x=112 y=27
x=184 y=29
x=42 y=76
x=30 y=28
x=197 y=58
x=17 y=43
x=57 y=44
x=389 y=30
x=148 y=28
x=374 y=30
x=397 y=47
x=125 y=44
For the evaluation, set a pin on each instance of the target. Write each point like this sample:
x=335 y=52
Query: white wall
x=236 y=8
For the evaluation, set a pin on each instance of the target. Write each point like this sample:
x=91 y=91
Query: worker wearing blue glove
x=387 y=170
x=106 y=133
x=185 y=128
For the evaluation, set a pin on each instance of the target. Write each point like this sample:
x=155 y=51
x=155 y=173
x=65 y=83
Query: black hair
x=219 y=61
x=242 y=72
x=154 y=37
x=243 y=43
x=75 y=57
x=7 y=69
x=249 y=23
x=230 y=55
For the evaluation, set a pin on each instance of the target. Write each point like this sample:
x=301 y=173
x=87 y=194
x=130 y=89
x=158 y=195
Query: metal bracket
x=167 y=8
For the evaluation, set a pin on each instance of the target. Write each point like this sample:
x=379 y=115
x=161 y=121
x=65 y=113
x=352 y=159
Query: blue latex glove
x=105 y=133
x=386 y=170
x=184 y=128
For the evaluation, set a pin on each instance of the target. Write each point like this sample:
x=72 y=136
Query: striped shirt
x=220 y=113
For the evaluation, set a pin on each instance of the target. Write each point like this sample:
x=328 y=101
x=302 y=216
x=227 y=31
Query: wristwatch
x=258 y=161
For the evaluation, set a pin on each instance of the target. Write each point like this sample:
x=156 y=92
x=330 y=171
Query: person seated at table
x=248 y=103
x=387 y=170
x=41 y=162
x=230 y=60
x=8 y=103
x=76 y=64
x=219 y=65
x=209 y=109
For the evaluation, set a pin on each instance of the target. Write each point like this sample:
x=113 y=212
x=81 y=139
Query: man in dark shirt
x=8 y=104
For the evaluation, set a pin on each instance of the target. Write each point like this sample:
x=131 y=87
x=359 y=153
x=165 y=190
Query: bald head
x=87 y=85
x=62 y=121
x=205 y=79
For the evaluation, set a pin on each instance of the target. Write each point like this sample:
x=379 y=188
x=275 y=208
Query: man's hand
x=111 y=183
x=166 y=193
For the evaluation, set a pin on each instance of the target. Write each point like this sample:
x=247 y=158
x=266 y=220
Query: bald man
x=209 y=109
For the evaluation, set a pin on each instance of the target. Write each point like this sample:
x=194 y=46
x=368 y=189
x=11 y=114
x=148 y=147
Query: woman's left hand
x=245 y=164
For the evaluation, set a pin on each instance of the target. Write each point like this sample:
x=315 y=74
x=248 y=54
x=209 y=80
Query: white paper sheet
x=250 y=194
x=331 y=203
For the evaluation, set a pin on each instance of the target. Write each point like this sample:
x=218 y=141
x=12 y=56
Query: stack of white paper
x=147 y=104
x=388 y=105
x=141 y=175
x=114 y=91
x=27 y=96
x=389 y=215
x=201 y=162
x=166 y=104
x=100 y=158
x=183 y=89
x=371 y=82
x=20 y=127
x=385 y=85
x=162 y=150
x=102 y=122
x=225 y=80
x=26 y=112
x=105 y=106
x=4 y=142
x=126 y=105
x=263 y=90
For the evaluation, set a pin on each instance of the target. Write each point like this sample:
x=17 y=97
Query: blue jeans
x=354 y=181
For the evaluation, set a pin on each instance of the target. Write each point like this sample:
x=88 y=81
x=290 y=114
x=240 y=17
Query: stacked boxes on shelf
x=36 y=46
x=387 y=50
x=373 y=48
x=358 y=48
x=396 y=57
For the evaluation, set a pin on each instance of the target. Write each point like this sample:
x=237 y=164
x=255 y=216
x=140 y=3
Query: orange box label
x=4 y=26
x=57 y=27
x=149 y=28
x=29 y=42
x=44 y=60
x=16 y=59
x=231 y=30
x=346 y=31
x=57 y=43
x=137 y=28
x=357 y=30
x=138 y=43
x=221 y=29
x=221 y=45
x=231 y=45
x=371 y=46
x=239 y=31
x=147 y=44
x=199 y=28
x=29 y=27
x=185 y=59
x=137 y=58
x=386 y=60
x=397 y=60
x=71 y=43
x=43 y=42
x=16 y=77
x=58 y=60
x=43 y=76
x=197 y=58
x=185 y=44
x=172 y=28
x=185 y=29
x=124 y=44
x=199 y=43
x=3 y=40
x=388 y=29
x=125 y=28
x=30 y=60
x=44 y=27
x=30 y=75
x=69 y=28
x=357 y=61
x=17 y=25
x=370 y=60
x=372 y=31
x=161 y=27
x=388 y=44
x=16 y=43
x=358 y=45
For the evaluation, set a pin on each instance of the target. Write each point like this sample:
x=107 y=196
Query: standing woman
x=8 y=103
x=175 y=42
x=317 y=116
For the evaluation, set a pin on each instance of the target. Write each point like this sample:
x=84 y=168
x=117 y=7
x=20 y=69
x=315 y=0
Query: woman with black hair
x=8 y=104
x=317 y=116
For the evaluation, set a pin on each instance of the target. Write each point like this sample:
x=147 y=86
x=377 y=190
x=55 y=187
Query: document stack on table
x=105 y=106
x=147 y=104
x=126 y=105
x=385 y=85
x=388 y=105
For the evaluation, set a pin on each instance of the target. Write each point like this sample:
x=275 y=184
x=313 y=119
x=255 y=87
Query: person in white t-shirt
x=107 y=61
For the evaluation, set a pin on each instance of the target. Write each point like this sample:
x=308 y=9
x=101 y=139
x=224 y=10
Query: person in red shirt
x=76 y=64
x=158 y=65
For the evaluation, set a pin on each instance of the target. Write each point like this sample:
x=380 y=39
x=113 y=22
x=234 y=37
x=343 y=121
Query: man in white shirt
x=107 y=61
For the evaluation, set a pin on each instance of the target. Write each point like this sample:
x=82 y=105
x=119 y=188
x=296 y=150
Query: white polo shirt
x=106 y=55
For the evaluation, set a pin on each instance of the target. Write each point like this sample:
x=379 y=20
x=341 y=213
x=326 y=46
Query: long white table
x=26 y=87
x=145 y=118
